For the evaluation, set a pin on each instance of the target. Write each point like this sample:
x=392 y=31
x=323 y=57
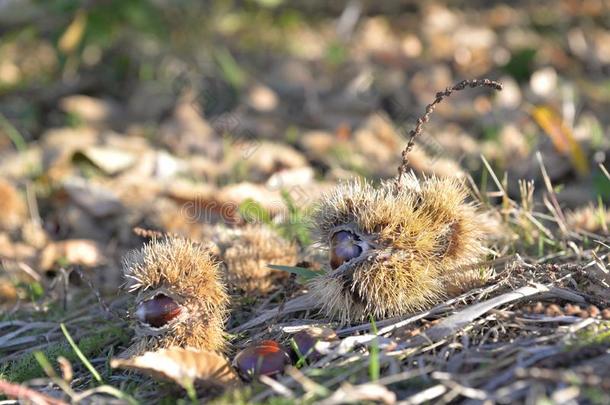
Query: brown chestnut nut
x=158 y=311
x=306 y=341
x=345 y=246
x=264 y=358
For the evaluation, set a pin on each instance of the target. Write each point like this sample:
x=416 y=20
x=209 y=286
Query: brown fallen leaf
x=8 y=292
x=185 y=367
x=12 y=206
x=187 y=131
x=262 y=159
x=74 y=251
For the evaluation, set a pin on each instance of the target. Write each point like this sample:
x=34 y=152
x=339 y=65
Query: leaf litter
x=536 y=329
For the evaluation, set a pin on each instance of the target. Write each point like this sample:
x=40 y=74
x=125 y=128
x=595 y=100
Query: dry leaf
x=74 y=251
x=183 y=366
x=562 y=137
x=290 y=178
x=8 y=292
x=74 y=33
x=262 y=98
x=12 y=206
x=96 y=200
x=235 y=194
x=110 y=160
x=183 y=190
x=91 y=110
x=265 y=158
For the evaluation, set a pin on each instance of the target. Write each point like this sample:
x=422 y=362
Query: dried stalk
x=440 y=96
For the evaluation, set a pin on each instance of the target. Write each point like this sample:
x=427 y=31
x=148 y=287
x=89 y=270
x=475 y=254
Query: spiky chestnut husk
x=414 y=241
x=180 y=300
x=247 y=252
x=12 y=206
x=589 y=219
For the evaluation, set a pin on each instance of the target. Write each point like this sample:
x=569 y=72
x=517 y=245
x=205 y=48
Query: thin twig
x=554 y=209
x=440 y=96
x=23 y=393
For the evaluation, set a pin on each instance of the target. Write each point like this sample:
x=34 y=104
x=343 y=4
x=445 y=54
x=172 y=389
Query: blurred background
x=172 y=114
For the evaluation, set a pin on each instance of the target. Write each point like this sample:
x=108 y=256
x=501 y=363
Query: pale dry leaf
x=185 y=190
x=235 y=194
x=183 y=366
x=265 y=158
x=262 y=98
x=91 y=110
x=317 y=144
x=81 y=252
x=97 y=200
x=110 y=160
x=290 y=178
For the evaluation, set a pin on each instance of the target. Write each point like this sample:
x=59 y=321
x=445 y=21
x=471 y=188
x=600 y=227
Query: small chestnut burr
x=397 y=248
x=180 y=297
x=247 y=253
x=401 y=246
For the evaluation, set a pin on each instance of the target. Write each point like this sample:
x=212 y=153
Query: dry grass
x=516 y=337
x=476 y=296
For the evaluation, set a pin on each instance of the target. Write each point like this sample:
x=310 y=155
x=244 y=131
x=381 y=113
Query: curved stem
x=440 y=96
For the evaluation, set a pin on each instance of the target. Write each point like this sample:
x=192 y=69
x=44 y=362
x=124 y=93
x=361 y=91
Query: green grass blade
x=14 y=135
x=374 y=367
x=299 y=271
x=80 y=354
x=45 y=364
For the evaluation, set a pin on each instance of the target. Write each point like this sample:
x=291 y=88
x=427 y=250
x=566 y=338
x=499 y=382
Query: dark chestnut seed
x=306 y=341
x=264 y=358
x=158 y=311
x=343 y=248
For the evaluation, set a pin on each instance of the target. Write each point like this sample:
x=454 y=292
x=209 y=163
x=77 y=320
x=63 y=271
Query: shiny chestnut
x=264 y=358
x=158 y=311
x=306 y=340
x=344 y=246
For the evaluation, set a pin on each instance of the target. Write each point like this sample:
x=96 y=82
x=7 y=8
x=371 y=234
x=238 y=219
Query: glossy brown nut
x=343 y=248
x=158 y=311
x=264 y=358
x=306 y=341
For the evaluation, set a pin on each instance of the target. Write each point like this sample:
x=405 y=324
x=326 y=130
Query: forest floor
x=197 y=120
